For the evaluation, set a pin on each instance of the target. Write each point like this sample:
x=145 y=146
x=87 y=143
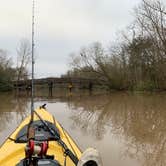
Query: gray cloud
x=62 y=27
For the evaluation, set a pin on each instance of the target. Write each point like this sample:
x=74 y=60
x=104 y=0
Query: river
x=127 y=128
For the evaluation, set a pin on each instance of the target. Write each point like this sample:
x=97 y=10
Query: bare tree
x=92 y=60
x=151 y=20
x=5 y=61
x=23 y=58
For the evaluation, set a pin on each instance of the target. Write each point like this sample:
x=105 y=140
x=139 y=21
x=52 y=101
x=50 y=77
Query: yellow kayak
x=50 y=146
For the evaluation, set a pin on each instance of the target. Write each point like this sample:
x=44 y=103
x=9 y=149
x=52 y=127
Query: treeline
x=137 y=61
x=8 y=72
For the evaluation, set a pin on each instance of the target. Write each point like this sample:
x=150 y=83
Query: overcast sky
x=61 y=27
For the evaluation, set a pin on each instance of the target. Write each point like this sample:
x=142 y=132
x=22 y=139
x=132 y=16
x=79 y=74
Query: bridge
x=80 y=83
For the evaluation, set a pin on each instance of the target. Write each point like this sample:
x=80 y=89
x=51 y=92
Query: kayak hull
x=11 y=153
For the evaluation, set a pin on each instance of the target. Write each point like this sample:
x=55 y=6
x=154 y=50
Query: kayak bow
x=61 y=148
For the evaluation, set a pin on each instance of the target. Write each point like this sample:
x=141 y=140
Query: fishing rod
x=33 y=62
x=32 y=74
x=30 y=128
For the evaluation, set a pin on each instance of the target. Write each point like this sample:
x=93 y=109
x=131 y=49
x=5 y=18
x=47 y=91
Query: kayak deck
x=12 y=151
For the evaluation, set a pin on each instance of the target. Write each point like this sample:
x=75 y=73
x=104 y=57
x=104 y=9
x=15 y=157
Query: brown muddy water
x=128 y=129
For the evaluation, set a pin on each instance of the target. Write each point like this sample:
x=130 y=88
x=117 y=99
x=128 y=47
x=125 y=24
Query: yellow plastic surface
x=11 y=153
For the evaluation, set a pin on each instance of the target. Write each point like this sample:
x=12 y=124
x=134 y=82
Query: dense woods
x=137 y=61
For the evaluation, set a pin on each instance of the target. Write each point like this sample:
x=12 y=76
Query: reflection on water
x=128 y=129
x=138 y=119
x=12 y=112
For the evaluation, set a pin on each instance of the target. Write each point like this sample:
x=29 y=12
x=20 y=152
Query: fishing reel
x=36 y=155
x=34 y=148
